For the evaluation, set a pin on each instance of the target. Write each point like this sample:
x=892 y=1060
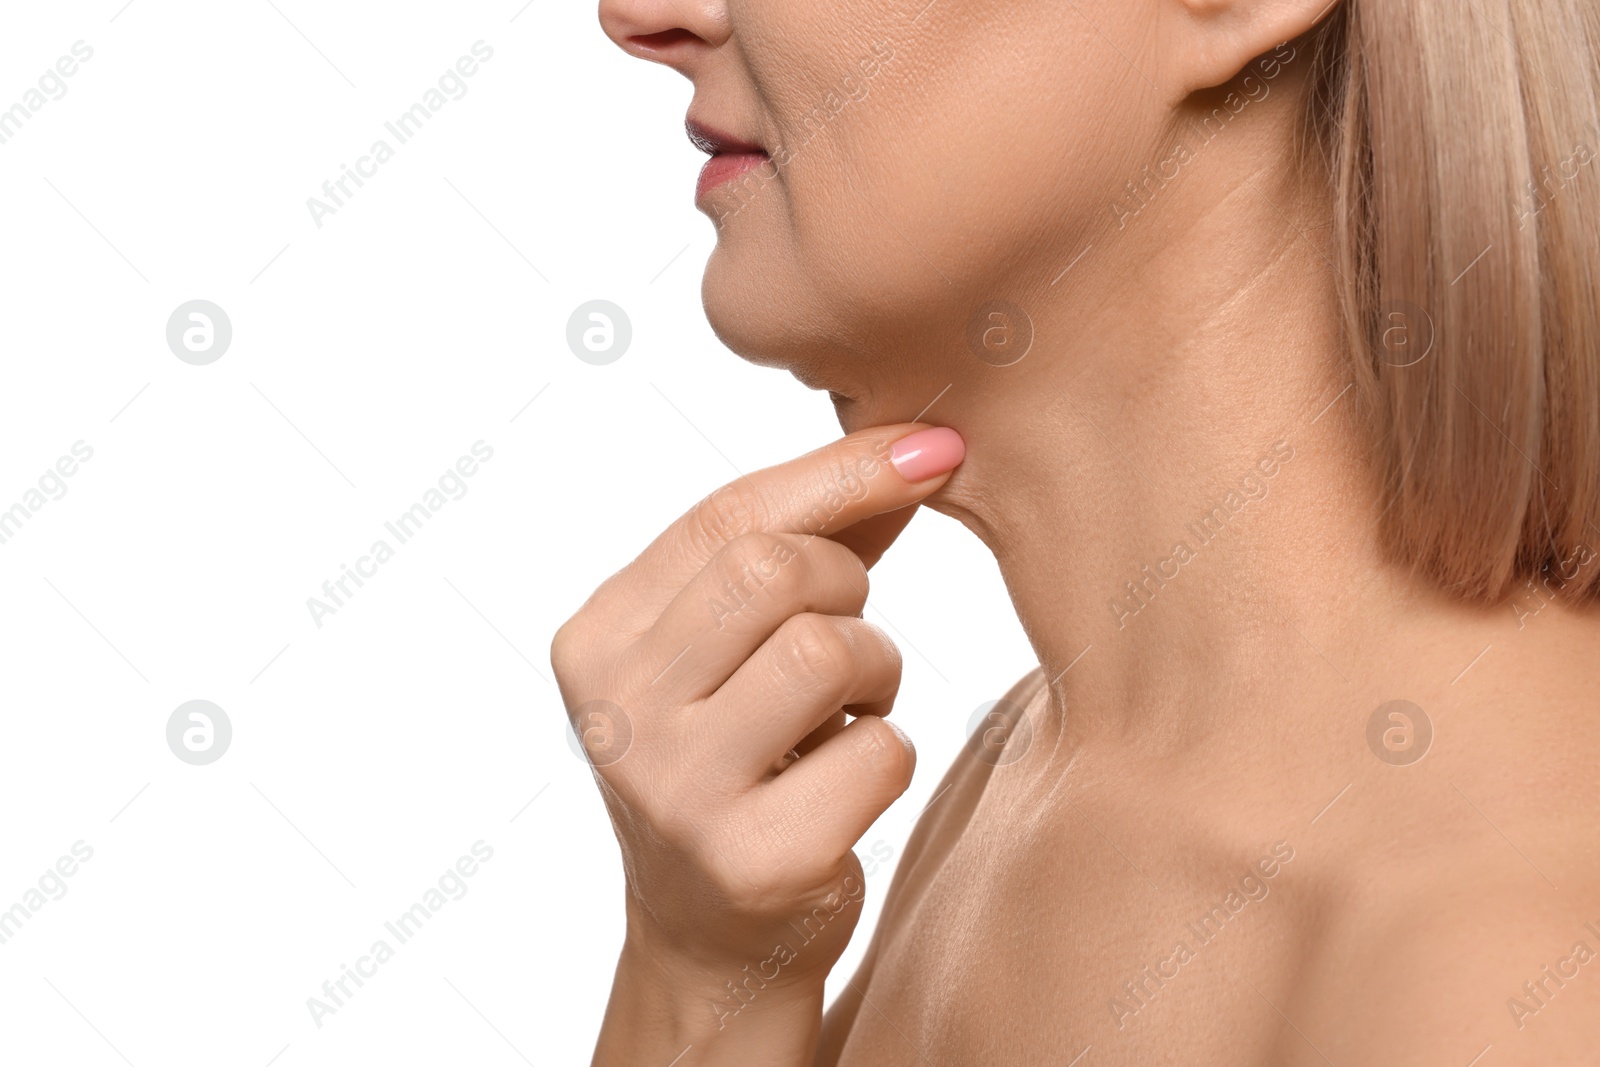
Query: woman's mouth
x=730 y=156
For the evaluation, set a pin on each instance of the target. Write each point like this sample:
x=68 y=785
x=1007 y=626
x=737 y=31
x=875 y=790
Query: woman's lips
x=730 y=156
x=724 y=167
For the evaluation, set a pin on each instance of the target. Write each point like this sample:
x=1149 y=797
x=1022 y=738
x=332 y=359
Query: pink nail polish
x=927 y=453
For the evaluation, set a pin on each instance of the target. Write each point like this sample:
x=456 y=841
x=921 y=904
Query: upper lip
x=714 y=142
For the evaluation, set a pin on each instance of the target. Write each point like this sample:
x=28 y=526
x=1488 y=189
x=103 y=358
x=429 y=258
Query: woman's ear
x=1211 y=41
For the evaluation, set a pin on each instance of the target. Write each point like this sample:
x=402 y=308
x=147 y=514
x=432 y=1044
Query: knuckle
x=588 y=630
x=884 y=750
x=860 y=577
x=753 y=560
x=887 y=650
x=815 y=648
x=757 y=567
x=566 y=647
x=842 y=568
x=724 y=516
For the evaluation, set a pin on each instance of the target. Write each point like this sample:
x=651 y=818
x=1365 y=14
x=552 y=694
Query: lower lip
x=726 y=167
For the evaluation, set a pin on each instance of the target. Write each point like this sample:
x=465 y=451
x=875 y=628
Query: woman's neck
x=1173 y=480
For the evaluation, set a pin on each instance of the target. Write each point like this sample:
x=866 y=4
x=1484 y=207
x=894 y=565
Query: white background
x=367 y=356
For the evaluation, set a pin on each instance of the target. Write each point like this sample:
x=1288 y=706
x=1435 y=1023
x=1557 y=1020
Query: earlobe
x=1217 y=39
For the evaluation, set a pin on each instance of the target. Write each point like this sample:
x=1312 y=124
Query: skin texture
x=1173 y=744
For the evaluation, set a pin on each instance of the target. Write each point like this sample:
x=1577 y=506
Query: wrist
x=664 y=1005
x=711 y=984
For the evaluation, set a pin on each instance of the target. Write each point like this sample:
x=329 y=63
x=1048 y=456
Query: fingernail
x=927 y=453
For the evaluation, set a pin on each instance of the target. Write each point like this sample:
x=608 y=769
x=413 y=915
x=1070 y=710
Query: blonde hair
x=1466 y=184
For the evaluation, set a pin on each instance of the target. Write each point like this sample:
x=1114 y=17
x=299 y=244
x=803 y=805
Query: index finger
x=823 y=493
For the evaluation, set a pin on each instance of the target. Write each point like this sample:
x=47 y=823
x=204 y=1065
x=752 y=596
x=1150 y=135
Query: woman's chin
x=753 y=312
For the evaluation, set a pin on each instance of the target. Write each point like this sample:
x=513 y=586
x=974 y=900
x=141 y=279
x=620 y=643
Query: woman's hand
x=709 y=681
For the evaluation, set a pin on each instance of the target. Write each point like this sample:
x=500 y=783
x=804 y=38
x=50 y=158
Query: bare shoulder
x=1477 y=884
x=943 y=818
x=1459 y=966
x=950 y=804
x=953 y=800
